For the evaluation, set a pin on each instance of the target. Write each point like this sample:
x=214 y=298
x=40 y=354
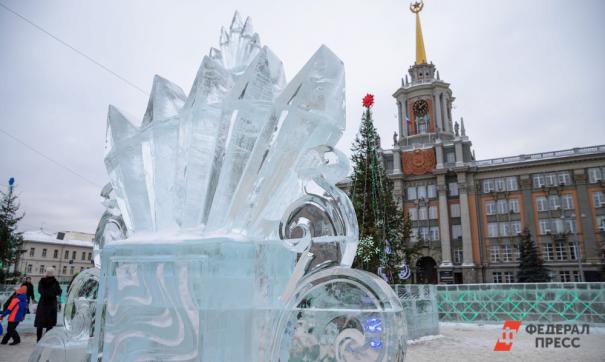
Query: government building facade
x=471 y=212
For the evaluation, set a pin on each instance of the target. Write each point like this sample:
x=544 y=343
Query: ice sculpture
x=230 y=241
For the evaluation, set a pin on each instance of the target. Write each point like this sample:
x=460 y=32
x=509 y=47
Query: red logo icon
x=509 y=330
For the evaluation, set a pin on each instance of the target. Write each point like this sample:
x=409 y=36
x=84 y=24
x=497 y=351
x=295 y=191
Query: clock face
x=420 y=108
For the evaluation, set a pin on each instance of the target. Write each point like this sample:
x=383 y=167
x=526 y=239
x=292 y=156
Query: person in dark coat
x=46 y=314
x=30 y=290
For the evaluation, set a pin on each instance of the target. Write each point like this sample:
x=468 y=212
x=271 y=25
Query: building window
x=83 y=255
x=433 y=212
x=89 y=256
x=64 y=269
x=32 y=251
x=564 y=178
x=504 y=229
x=517 y=252
x=567 y=202
x=570 y=226
x=560 y=251
x=516 y=227
x=598 y=199
x=554 y=203
x=565 y=276
x=411 y=193
x=29 y=268
x=573 y=251
x=455 y=210
x=594 y=175
x=511 y=184
x=494 y=254
x=66 y=254
x=497 y=277
x=44 y=253
x=551 y=179
x=500 y=184
x=71 y=270
x=413 y=212
x=601 y=224
x=538 y=181
x=507 y=253
x=421 y=192
x=73 y=255
x=502 y=206
x=548 y=252
x=434 y=231
x=513 y=205
x=431 y=191
x=458 y=256
x=544 y=226
x=450 y=157
x=541 y=203
x=424 y=233
x=492 y=229
x=81 y=268
x=42 y=269
x=490 y=207
x=488 y=186
x=56 y=254
x=453 y=187
x=508 y=277
x=559 y=227
x=576 y=276
x=456 y=231
x=422 y=213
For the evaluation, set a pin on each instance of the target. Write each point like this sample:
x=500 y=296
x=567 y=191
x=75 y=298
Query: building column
x=444 y=223
x=458 y=149
x=396 y=161
x=439 y=154
x=467 y=244
x=591 y=249
x=528 y=205
x=439 y=122
x=401 y=118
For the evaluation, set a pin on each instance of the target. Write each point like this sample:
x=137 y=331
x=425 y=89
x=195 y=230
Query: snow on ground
x=472 y=342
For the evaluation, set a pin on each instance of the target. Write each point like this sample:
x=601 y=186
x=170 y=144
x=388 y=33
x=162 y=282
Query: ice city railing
x=419 y=302
x=225 y=237
x=543 y=302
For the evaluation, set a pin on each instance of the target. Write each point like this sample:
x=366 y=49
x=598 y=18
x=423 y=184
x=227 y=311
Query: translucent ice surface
x=225 y=237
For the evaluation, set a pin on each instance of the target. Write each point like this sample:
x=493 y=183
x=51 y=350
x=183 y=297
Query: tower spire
x=416 y=7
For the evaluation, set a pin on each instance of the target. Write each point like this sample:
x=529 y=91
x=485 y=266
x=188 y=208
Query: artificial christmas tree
x=384 y=230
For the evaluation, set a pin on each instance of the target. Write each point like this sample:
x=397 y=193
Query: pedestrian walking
x=16 y=313
x=46 y=314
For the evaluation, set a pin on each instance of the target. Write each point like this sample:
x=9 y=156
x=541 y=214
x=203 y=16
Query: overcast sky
x=527 y=75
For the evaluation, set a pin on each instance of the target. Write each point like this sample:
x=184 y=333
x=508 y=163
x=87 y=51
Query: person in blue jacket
x=16 y=313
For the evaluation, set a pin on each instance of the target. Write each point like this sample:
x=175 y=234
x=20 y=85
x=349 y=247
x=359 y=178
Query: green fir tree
x=384 y=231
x=10 y=240
x=531 y=266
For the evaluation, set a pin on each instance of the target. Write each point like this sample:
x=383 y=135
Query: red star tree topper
x=368 y=100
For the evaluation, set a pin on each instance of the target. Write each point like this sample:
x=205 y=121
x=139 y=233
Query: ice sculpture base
x=220 y=299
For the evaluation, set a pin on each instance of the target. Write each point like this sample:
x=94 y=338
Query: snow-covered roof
x=51 y=238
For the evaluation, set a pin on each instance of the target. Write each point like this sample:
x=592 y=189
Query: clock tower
x=433 y=152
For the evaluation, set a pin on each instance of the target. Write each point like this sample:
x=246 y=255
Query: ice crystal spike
x=165 y=101
x=238 y=149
